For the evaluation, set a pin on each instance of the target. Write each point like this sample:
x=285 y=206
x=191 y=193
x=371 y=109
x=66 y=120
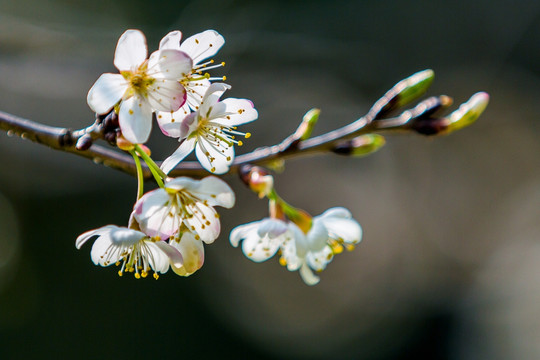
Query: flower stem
x=159 y=175
x=140 y=177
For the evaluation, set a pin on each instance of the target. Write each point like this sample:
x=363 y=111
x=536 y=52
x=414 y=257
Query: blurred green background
x=449 y=264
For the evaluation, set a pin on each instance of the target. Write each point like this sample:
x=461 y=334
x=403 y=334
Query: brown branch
x=403 y=92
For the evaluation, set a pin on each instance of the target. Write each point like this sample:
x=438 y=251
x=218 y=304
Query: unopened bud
x=468 y=112
x=84 y=142
x=257 y=179
x=124 y=144
x=360 y=146
x=404 y=92
x=308 y=123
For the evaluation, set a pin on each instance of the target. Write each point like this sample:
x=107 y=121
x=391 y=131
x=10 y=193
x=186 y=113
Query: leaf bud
x=360 y=146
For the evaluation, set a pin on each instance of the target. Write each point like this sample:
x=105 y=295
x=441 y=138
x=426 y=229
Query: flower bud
x=258 y=179
x=84 y=142
x=360 y=146
x=468 y=112
x=124 y=144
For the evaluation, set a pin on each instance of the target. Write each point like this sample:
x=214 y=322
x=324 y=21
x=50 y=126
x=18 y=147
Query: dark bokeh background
x=449 y=264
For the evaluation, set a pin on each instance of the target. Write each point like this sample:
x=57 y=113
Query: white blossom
x=306 y=252
x=199 y=48
x=135 y=251
x=184 y=205
x=142 y=87
x=211 y=131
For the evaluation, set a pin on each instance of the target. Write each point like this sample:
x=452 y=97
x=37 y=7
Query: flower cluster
x=169 y=226
x=304 y=243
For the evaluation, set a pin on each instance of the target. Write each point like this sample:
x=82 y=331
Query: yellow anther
x=248 y=135
x=224 y=78
x=240 y=143
x=120 y=273
x=137 y=276
x=213 y=169
x=156 y=276
x=117 y=263
x=223 y=63
x=337 y=248
x=282 y=261
x=349 y=247
x=144 y=274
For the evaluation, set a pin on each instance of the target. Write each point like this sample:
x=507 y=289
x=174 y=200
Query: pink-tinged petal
x=340 y=225
x=175 y=257
x=204 y=223
x=233 y=112
x=192 y=251
x=214 y=158
x=162 y=223
x=203 y=45
x=171 y=123
x=106 y=92
x=169 y=64
x=135 y=119
x=171 y=41
x=308 y=276
x=185 y=148
x=131 y=51
x=150 y=203
x=166 y=95
x=83 y=238
x=211 y=98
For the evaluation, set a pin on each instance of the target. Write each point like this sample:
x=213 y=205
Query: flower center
x=139 y=81
x=136 y=259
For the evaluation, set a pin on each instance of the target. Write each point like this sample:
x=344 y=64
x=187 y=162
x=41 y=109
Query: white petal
x=126 y=237
x=242 y=231
x=175 y=257
x=205 y=222
x=211 y=189
x=83 y=238
x=272 y=228
x=169 y=64
x=171 y=41
x=300 y=240
x=195 y=92
x=166 y=95
x=290 y=253
x=259 y=248
x=106 y=92
x=135 y=119
x=185 y=148
x=340 y=225
x=131 y=51
x=158 y=259
x=318 y=260
x=214 y=158
x=102 y=250
x=317 y=236
x=192 y=251
x=211 y=97
x=232 y=112
x=308 y=276
x=203 y=45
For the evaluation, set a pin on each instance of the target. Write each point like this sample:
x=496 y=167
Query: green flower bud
x=468 y=112
x=360 y=146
